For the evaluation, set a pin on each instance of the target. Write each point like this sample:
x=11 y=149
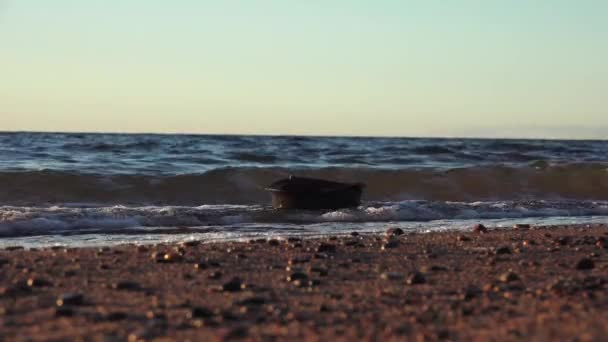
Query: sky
x=486 y=68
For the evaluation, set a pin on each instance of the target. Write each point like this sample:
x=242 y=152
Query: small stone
x=116 y=316
x=415 y=278
x=508 y=277
x=215 y=275
x=70 y=299
x=142 y=248
x=528 y=243
x=390 y=244
x=155 y=315
x=299 y=283
x=253 y=301
x=273 y=242
x=200 y=312
x=237 y=333
x=463 y=238
x=157 y=256
x=297 y=276
x=354 y=234
x=326 y=248
x=69 y=273
x=299 y=259
x=392 y=276
x=234 y=285
x=322 y=271
x=38 y=282
x=201 y=265
x=13 y=248
x=394 y=232
x=126 y=285
x=64 y=311
x=585 y=264
x=191 y=243
x=480 y=228
x=503 y=250
x=521 y=226
x=438 y=268
x=172 y=257
x=471 y=292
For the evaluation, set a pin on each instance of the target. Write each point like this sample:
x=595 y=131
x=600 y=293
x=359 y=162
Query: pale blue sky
x=402 y=68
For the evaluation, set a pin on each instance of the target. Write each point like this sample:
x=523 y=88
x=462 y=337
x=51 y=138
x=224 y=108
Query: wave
x=245 y=185
x=82 y=219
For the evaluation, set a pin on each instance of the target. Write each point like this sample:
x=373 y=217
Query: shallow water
x=105 y=188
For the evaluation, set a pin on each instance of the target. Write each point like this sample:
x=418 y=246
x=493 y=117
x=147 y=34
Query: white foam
x=21 y=221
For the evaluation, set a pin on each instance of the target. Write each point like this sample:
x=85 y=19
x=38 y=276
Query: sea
x=78 y=190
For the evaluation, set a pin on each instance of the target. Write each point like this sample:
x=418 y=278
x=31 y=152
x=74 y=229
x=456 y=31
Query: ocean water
x=104 y=189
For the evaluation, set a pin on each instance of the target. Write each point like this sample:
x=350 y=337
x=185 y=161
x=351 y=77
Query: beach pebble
x=191 y=243
x=480 y=228
x=471 y=292
x=172 y=257
x=38 y=282
x=215 y=275
x=69 y=273
x=13 y=248
x=299 y=259
x=202 y=265
x=508 y=277
x=200 y=312
x=297 y=276
x=236 y=333
x=322 y=271
x=392 y=276
x=126 y=285
x=299 y=283
x=394 y=232
x=326 y=248
x=393 y=243
x=253 y=301
x=521 y=226
x=503 y=250
x=157 y=256
x=274 y=242
x=234 y=285
x=70 y=299
x=63 y=311
x=585 y=264
x=349 y=243
x=463 y=238
x=115 y=316
x=155 y=315
x=354 y=234
x=142 y=249
x=415 y=278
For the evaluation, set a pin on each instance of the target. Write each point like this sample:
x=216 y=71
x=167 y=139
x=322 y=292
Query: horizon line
x=471 y=137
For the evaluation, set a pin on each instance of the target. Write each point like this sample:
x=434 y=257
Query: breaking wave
x=586 y=181
x=78 y=219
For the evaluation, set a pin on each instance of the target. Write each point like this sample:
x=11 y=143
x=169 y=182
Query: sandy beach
x=524 y=283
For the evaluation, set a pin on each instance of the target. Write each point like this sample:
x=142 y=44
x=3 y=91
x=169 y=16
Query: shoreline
x=505 y=284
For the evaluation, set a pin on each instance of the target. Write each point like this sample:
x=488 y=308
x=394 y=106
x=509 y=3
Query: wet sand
x=504 y=284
